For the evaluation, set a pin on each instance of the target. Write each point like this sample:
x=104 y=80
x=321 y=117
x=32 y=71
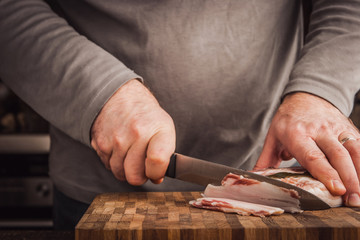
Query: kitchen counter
x=36 y=235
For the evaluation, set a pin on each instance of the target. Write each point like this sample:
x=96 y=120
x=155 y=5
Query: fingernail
x=338 y=186
x=353 y=200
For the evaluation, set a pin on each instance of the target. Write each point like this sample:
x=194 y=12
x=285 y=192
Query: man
x=226 y=75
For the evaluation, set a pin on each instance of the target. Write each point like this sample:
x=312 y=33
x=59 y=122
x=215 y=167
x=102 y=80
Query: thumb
x=269 y=156
x=160 y=149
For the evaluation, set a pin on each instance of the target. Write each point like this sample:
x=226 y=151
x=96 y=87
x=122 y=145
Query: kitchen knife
x=203 y=172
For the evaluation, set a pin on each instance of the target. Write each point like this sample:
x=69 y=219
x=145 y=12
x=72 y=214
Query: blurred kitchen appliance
x=26 y=193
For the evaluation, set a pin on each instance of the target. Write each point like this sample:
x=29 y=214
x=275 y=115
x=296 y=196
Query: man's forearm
x=329 y=62
x=61 y=74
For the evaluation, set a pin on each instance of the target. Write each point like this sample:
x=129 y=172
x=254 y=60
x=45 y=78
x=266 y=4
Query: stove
x=26 y=191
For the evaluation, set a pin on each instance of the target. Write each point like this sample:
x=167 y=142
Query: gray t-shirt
x=219 y=68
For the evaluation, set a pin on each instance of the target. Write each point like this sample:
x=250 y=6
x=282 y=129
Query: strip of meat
x=275 y=171
x=251 y=197
x=299 y=177
x=237 y=187
x=233 y=206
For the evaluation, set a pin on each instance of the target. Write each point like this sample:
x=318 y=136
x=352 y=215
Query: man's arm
x=312 y=119
x=71 y=82
x=59 y=73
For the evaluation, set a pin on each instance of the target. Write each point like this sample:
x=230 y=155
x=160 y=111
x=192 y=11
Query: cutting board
x=167 y=215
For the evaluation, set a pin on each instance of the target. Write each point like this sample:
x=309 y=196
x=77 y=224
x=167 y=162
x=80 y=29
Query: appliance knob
x=43 y=189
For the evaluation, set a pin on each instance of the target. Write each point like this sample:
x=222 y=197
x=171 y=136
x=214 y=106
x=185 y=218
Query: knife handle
x=171 y=170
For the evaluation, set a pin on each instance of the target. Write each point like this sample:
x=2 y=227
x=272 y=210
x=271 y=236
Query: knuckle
x=103 y=145
x=156 y=160
x=339 y=152
x=296 y=130
x=93 y=144
x=137 y=129
x=118 y=142
x=325 y=126
x=312 y=156
x=285 y=155
x=298 y=127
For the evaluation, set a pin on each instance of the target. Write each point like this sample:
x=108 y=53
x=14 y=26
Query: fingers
x=352 y=145
x=341 y=161
x=285 y=155
x=308 y=127
x=143 y=159
x=159 y=151
x=268 y=157
x=129 y=122
x=334 y=164
x=104 y=153
x=272 y=154
x=116 y=162
x=310 y=156
x=134 y=163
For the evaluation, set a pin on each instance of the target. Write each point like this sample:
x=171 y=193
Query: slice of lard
x=245 y=196
x=234 y=206
x=299 y=177
x=238 y=187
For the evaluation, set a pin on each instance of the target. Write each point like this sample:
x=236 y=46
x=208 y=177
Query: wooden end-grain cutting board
x=167 y=215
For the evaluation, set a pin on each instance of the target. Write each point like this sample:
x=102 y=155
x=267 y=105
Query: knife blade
x=203 y=173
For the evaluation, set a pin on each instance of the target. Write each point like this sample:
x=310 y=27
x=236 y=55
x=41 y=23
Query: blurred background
x=355 y=115
x=25 y=187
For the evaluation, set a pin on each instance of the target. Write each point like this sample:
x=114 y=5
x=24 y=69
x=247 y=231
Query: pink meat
x=233 y=206
x=298 y=177
x=249 y=190
x=250 y=197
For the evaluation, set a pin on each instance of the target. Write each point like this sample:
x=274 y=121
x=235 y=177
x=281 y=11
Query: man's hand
x=133 y=136
x=322 y=140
